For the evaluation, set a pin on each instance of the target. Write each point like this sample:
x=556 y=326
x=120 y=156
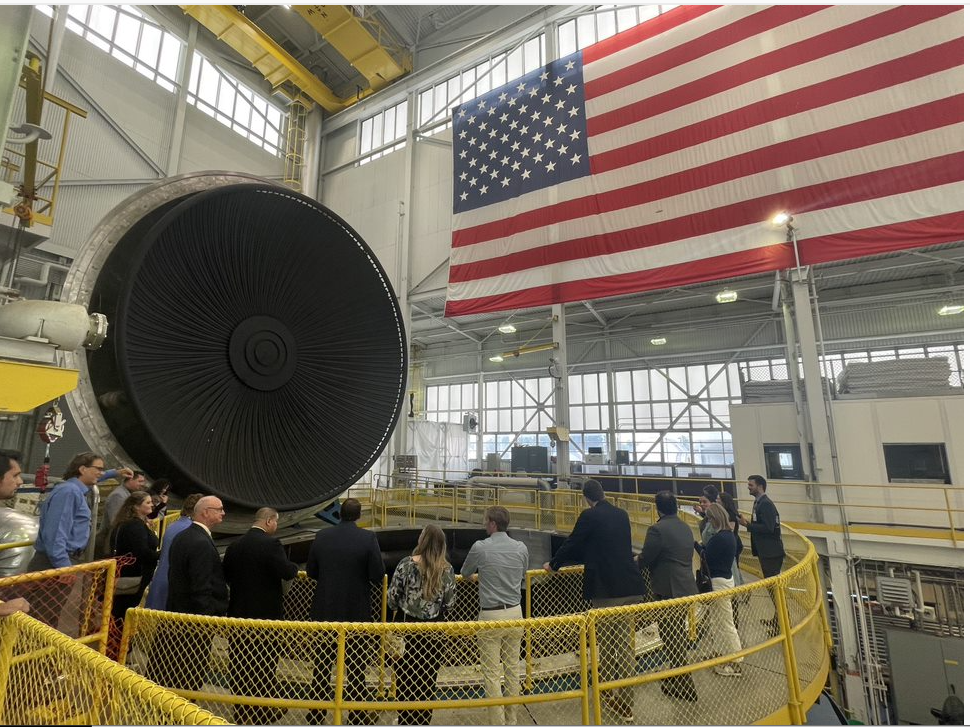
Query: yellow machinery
x=377 y=60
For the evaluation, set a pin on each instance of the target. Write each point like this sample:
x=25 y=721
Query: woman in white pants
x=719 y=552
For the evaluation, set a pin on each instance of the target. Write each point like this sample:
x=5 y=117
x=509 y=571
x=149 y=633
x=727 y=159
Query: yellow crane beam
x=375 y=58
x=269 y=58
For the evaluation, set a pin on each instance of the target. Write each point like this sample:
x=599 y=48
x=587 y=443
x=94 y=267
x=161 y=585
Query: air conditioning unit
x=469 y=422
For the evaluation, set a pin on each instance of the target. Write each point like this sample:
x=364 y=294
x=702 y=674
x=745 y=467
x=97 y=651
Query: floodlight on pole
x=786 y=219
x=497 y=358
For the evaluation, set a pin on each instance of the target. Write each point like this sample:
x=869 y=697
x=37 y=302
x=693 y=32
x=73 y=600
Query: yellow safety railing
x=47 y=678
x=655 y=662
x=899 y=509
x=70 y=600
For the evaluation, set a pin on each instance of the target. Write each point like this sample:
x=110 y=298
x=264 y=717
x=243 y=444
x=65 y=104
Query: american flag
x=657 y=157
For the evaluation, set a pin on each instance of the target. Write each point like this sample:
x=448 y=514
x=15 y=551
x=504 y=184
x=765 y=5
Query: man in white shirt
x=500 y=563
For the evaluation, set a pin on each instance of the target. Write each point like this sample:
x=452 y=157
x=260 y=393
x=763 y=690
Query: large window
x=605 y=21
x=226 y=99
x=384 y=128
x=129 y=36
x=136 y=41
x=435 y=103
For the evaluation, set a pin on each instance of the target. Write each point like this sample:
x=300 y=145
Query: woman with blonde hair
x=131 y=535
x=422 y=589
x=720 y=551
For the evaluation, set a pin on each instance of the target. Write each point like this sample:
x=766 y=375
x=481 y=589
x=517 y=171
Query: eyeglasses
x=217 y=509
x=95 y=467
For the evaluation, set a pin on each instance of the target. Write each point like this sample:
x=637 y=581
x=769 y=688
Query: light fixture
x=658 y=341
x=497 y=358
x=782 y=218
x=950 y=310
x=506 y=328
x=726 y=296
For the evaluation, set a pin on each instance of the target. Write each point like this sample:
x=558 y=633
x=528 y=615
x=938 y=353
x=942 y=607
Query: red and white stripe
x=705 y=122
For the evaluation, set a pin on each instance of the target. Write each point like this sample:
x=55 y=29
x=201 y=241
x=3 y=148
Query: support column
x=181 y=99
x=403 y=273
x=561 y=387
x=850 y=663
x=313 y=153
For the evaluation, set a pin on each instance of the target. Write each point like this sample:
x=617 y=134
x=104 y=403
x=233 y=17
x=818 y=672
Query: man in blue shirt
x=500 y=563
x=64 y=530
x=65 y=516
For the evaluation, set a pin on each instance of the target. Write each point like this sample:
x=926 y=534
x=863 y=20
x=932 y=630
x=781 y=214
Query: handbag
x=703 y=577
x=127 y=585
x=124 y=585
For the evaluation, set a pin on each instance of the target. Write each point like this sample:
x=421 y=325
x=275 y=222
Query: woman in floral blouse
x=422 y=589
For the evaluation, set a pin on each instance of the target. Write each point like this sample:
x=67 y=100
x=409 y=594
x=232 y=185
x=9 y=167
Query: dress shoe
x=685 y=693
x=623 y=711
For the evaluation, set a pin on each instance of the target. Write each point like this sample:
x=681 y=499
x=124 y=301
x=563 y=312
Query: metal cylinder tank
x=256 y=349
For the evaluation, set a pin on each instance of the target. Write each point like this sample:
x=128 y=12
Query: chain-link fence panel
x=298 y=598
x=71 y=600
x=555 y=594
x=48 y=678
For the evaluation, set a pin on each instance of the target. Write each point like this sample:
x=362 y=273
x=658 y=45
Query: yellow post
x=583 y=674
x=949 y=514
x=338 y=687
x=109 y=592
x=8 y=637
x=795 y=710
x=528 y=631
x=823 y=606
x=594 y=659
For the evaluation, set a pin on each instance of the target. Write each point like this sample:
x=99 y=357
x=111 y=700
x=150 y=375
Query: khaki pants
x=723 y=632
x=499 y=649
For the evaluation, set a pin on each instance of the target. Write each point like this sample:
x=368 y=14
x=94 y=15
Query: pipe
x=65 y=325
x=45 y=274
x=55 y=40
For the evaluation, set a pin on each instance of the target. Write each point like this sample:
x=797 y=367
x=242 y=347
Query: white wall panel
x=79 y=210
x=208 y=144
x=368 y=198
x=431 y=225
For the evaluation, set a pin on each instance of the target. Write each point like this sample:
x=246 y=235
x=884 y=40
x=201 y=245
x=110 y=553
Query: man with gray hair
x=500 y=564
x=256 y=566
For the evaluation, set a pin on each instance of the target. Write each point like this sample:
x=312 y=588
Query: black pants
x=417 y=675
x=673 y=633
x=179 y=657
x=771 y=566
x=253 y=658
x=357 y=652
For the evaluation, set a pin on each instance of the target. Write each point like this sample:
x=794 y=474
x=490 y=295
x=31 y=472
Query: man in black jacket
x=601 y=541
x=346 y=563
x=256 y=566
x=196 y=585
x=765 y=528
x=766 y=543
x=668 y=553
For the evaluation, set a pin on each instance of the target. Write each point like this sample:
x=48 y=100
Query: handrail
x=799 y=648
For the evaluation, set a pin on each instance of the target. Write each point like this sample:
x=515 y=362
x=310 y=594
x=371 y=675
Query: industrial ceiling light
x=782 y=218
x=950 y=310
x=506 y=328
x=497 y=358
x=658 y=341
x=726 y=296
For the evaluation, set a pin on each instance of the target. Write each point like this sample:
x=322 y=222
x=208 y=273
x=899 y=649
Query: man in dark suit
x=346 y=563
x=196 y=585
x=256 y=566
x=668 y=553
x=766 y=543
x=765 y=528
x=601 y=541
